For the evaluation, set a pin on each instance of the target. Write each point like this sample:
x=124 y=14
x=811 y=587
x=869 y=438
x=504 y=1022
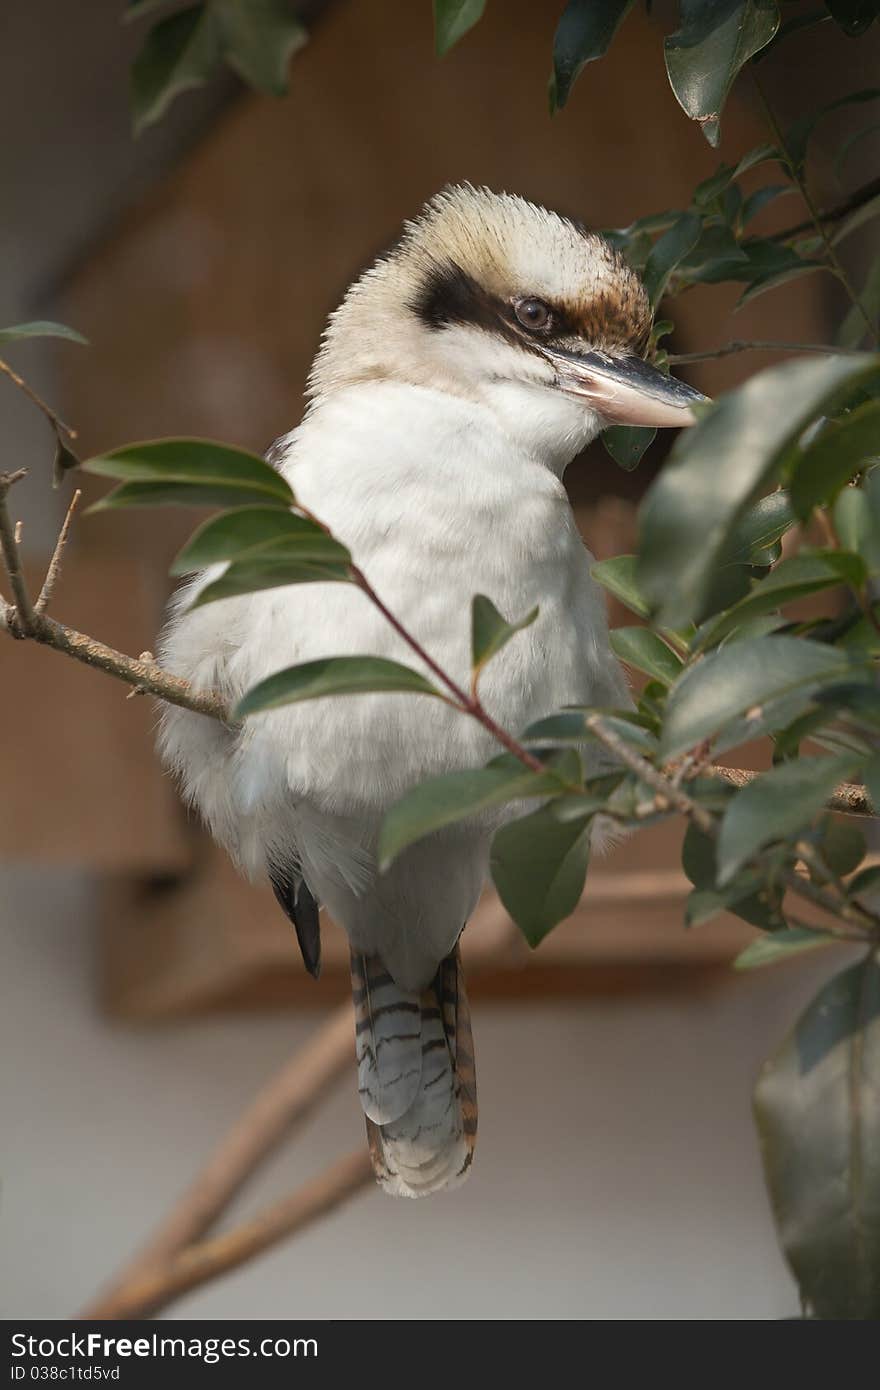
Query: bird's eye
x=533 y=314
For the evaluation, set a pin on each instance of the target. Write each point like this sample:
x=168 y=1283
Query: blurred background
x=146 y=992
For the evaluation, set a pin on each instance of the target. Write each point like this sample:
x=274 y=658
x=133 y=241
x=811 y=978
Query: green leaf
x=758 y=528
x=776 y=805
x=271 y=570
x=452 y=20
x=853 y=329
x=717 y=691
x=871 y=775
x=618 y=576
x=333 y=675
x=672 y=247
x=627 y=443
x=40 y=328
x=762 y=198
x=584 y=33
x=570 y=727
x=826 y=464
x=719 y=467
x=817 y=1106
x=703 y=58
x=841 y=844
x=857 y=218
x=259 y=37
x=796 y=577
x=455 y=796
x=858 y=526
x=748 y=896
x=798 y=137
x=780 y=945
x=771 y=281
x=490 y=632
x=865 y=884
x=643 y=649
x=850 y=143
x=539 y=865
x=854 y=16
x=188 y=472
x=178 y=53
x=257 y=532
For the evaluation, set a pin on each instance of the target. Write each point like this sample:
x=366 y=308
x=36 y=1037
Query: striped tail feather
x=416 y=1077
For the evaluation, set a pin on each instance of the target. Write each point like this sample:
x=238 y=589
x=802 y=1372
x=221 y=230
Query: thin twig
x=22 y=621
x=738 y=345
x=856 y=200
x=199 y=1264
x=54 y=569
x=647 y=773
x=54 y=419
x=468 y=704
x=849 y=798
x=283 y=1101
x=831 y=255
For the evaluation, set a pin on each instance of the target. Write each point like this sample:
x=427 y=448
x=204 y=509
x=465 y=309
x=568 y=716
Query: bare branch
x=156 y=1288
x=740 y=345
x=54 y=569
x=54 y=419
x=647 y=773
x=849 y=798
x=22 y=622
x=856 y=200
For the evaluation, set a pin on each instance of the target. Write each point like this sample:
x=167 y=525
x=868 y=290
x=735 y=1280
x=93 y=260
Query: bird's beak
x=624 y=390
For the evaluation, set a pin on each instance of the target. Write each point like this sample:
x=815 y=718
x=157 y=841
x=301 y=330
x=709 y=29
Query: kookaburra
x=458 y=378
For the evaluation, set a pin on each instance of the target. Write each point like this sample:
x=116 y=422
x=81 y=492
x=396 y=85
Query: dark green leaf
x=570 y=727
x=858 y=526
x=65 y=459
x=718 y=469
x=452 y=20
x=260 y=532
x=841 y=844
x=178 y=53
x=618 y=576
x=809 y=572
x=775 y=278
x=817 y=1105
x=668 y=251
x=798 y=137
x=829 y=461
x=719 y=689
x=259 y=37
x=850 y=143
x=759 y=527
x=40 y=328
x=643 y=649
x=871 y=774
x=583 y=34
x=189 y=472
x=780 y=945
x=490 y=632
x=272 y=570
x=854 y=16
x=857 y=218
x=762 y=198
x=865 y=884
x=776 y=805
x=334 y=675
x=627 y=443
x=747 y=896
x=854 y=327
x=704 y=57
x=455 y=796
x=539 y=865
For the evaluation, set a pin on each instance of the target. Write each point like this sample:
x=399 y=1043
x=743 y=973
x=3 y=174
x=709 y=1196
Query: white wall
x=617 y=1174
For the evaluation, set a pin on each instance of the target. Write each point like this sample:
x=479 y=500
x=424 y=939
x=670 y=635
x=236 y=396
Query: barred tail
x=416 y=1077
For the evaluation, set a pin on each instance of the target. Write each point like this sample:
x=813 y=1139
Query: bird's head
x=491 y=298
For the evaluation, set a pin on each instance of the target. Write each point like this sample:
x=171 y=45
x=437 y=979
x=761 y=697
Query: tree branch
x=154 y=1289
x=45 y=595
x=54 y=419
x=21 y=621
x=647 y=773
x=283 y=1101
x=856 y=200
x=740 y=345
x=849 y=798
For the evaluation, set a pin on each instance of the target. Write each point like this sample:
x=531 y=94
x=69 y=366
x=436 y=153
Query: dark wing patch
x=295 y=897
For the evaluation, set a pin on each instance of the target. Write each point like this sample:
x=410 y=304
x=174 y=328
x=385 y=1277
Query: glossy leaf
x=671 y=248
x=781 y=945
x=333 y=675
x=719 y=467
x=703 y=58
x=828 y=462
x=539 y=866
x=793 y=578
x=618 y=576
x=584 y=33
x=259 y=37
x=452 y=20
x=194 y=472
x=40 y=328
x=776 y=805
x=643 y=649
x=841 y=844
x=627 y=444
x=260 y=532
x=178 y=53
x=718 y=690
x=272 y=570
x=748 y=896
x=490 y=631
x=456 y=796
x=817 y=1105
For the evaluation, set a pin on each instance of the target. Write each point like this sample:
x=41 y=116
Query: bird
x=458 y=378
